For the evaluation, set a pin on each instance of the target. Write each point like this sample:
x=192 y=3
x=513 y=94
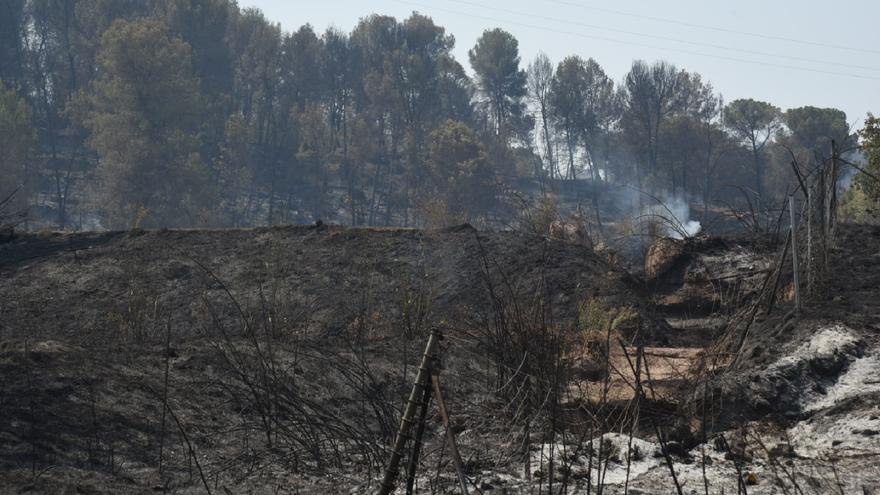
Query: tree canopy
x=501 y=81
x=755 y=123
x=144 y=116
x=200 y=112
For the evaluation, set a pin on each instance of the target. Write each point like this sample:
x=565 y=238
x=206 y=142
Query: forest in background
x=200 y=113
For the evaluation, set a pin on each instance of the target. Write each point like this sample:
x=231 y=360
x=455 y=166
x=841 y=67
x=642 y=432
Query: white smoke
x=675 y=215
x=848 y=174
x=691 y=228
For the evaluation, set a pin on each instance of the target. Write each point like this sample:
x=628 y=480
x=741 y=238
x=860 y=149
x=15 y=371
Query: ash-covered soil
x=803 y=393
x=284 y=355
x=76 y=285
x=279 y=360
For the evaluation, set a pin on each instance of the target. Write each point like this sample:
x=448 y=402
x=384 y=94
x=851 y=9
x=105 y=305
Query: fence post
x=450 y=436
x=809 y=241
x=832 y=202
x=794 y=255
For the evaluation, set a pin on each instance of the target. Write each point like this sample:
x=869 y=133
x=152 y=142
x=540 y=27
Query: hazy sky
x=789 y=52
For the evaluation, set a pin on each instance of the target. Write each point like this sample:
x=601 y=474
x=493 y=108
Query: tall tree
x=18 y=141
x=462 y=179
x=608 y=117
x=755 y=123
x=338 y=68
x=144 y=116
x=311 y=124
x=13 y=26
x=814 y=128
x=540 y=78
x=715 y=143
x=595 y=87
x=203 y=24
x=56 y=74
x=690 y=137
x=235 y=171
x=500 y=81
x=651 y=96
x=260 y=74
x=301 y=75
x=456 y=91
x=568 y=103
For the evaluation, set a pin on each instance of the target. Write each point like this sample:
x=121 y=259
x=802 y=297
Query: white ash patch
x=614 y=472
x=861 y=378
x=802 y=378
x=825 y=344
x=853 y=433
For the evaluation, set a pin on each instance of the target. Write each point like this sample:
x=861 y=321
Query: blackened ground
x=78 y=285
x=343 y=313
x=84 y=317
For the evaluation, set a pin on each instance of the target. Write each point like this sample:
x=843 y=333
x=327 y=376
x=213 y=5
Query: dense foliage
x=17 y=149
x=201 y=113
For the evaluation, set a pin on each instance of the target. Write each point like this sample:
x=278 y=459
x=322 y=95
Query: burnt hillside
x=81 y=284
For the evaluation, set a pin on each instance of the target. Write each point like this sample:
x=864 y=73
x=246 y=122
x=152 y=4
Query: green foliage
x=651 y=94
x=597 y=317
x=598 y=322
x=461 y=176
x=814 y=128
x=202 y=111
x=857 y=206
x=568 y=104
x=202 y=24
x=870 y=146
x=302 y=59
x=144 y=113
x=752 y=121
x=580 y=101
x=546 y=213
x=755 y=123
x=861 y=202
x=235 y=166
x=568 y=94
x=502 y=84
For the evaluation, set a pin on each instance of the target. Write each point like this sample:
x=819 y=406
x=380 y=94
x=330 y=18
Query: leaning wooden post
x=417 y=393
x=450 y=436
x=794 y=256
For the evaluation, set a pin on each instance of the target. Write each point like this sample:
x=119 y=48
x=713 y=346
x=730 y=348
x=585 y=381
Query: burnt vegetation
x=235 y=259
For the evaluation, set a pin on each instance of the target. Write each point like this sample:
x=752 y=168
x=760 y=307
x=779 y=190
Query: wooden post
x=527 y=432
x=418 y=391
x=809 y=242
x=417 y=444
x=450 y=436
x=794 y=256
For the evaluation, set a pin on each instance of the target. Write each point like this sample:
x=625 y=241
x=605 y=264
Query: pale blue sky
x=746 y=48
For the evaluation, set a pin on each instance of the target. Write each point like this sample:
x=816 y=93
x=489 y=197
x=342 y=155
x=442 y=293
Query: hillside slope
x=80 y=284
x=283 y=354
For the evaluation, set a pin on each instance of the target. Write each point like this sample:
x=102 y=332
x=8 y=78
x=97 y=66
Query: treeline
x=199 y=113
